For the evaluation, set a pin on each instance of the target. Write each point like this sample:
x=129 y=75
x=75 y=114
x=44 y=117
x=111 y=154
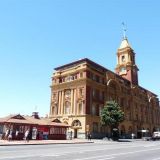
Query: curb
x=23 y=144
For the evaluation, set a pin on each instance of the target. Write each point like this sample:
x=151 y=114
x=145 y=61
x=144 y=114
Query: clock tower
x=126 y=66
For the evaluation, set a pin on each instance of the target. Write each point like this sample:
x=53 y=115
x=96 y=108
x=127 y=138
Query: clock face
x=123 y=69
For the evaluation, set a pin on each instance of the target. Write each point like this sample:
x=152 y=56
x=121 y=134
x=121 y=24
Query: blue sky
x=38 y=35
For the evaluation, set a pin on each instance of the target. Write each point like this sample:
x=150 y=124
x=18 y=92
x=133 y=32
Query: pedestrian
x=6 y=134
x=71 y=135
x=10 y=136
x=89 y=136
x=26 y=135
x=16 y=135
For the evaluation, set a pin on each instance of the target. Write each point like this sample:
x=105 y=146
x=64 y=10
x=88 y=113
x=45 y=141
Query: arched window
x=76 y=123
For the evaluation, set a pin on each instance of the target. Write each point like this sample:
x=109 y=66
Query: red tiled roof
x=30 y=120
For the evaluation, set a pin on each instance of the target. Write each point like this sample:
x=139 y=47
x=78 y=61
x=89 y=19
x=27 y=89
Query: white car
x=156 y=135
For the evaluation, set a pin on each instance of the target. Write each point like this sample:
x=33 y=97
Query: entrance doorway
x=75 y=133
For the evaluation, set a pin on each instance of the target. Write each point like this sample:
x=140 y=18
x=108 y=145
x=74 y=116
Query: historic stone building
x=80 y=89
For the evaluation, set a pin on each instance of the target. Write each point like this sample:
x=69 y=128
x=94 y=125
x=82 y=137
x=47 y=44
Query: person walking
x=6 y=134
x=89 y=136
x=26 y=135
x=17 y=135
x=10 y=136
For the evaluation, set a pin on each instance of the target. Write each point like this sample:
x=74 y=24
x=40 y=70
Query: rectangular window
x=97 y=78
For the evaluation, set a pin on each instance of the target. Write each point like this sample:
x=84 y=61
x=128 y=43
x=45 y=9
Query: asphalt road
x=141 y=150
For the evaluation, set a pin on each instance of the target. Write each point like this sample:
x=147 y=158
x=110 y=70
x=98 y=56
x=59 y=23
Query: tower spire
x=126 y=66
x=124 y=30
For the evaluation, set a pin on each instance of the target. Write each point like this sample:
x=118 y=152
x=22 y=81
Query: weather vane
x=124 y=30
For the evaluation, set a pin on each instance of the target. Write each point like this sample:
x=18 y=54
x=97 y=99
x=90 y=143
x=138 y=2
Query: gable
x=18 y=117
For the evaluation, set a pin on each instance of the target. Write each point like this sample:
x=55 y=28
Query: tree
x=111 y=115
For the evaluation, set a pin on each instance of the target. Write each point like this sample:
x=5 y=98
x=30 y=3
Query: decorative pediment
x=18 y=117
x=56 y=120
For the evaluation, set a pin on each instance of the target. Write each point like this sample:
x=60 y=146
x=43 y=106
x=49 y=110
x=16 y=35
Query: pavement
x=73 y=141
x=43 y=142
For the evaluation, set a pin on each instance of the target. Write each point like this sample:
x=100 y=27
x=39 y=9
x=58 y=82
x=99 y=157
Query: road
x=100 y=150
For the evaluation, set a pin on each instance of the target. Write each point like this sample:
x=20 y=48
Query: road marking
x=106 y=158
x=150 y=145
x=118 y=154
x=11 y=157
x=156 y=159
x=51 y=155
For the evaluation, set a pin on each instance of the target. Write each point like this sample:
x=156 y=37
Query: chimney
x=35 y=115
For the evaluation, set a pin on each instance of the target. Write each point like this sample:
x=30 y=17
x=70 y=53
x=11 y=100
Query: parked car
x=156 y=135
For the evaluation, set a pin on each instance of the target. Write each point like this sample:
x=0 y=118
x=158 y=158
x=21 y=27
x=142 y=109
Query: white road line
x=118 y=154
x=156 y=159
x=150 y=145
x=27 y=156
x=71 y=152
x=106 y=158
x=83 y=151
x=11 y=157
x=55 y=155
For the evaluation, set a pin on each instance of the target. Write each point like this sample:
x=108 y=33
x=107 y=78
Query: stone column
x=72 y=104
x=62 y=103
x=75 y=102
x=59 y=102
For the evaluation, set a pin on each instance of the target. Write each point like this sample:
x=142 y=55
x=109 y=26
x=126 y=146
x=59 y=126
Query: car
x=156 y=135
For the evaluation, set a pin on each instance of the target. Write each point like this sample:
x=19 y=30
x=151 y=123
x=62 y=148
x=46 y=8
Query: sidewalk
x=43 y=142
x=73 y=141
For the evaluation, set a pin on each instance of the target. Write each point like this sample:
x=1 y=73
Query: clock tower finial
x=124 y=30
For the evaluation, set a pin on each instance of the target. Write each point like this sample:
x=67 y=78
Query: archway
x=76 y=125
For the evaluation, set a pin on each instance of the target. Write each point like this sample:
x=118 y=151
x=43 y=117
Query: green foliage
x=111 y=114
